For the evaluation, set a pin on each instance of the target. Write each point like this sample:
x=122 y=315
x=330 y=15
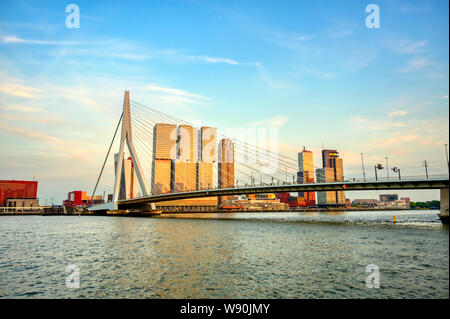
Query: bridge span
x=245 y=152
x=142 y=202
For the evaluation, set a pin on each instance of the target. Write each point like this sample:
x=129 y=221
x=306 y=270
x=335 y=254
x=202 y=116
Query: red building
x=308 y=200
x=76 y=198
x=80 y=198
x=17 y=189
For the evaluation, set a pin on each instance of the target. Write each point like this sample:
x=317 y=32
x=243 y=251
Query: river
x=233 y=255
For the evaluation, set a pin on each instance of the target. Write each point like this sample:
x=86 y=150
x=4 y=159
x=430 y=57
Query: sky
x=312 y=69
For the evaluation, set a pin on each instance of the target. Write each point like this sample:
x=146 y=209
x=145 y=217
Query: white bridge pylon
x=126 y=136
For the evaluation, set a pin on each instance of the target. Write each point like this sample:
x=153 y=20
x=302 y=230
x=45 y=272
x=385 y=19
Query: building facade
x=206 y=157
x=164 y=151
x=17 y=190
x=305 y=175
x=332 y=171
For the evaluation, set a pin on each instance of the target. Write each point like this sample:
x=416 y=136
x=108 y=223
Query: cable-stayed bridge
x=256 y=169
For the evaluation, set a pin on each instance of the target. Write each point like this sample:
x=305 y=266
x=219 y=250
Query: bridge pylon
x=127 y=137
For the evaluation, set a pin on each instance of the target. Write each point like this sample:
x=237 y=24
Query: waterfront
x=242 y=255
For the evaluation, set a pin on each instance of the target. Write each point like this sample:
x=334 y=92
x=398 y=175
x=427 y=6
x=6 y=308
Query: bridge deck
x=338 y=186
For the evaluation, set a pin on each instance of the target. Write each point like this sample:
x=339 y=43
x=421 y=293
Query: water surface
x=244 y=255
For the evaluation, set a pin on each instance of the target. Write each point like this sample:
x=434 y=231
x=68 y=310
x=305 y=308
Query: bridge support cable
x=143 y=142
x=285 y=161
x=143 y=114
x=238 y=149
x=107 y=154
x=252 y=150
x=148 y=117
x=294 y=161
x=144 y=124
x=248 y=150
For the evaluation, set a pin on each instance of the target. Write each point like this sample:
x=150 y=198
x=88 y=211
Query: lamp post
x=378 y=166
x=397 y=170
x=362 y=163
x=425 y=164
x=446 y=154
x=387 y=167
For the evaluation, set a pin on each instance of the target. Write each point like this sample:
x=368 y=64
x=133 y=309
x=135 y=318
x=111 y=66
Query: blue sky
x=311 y=68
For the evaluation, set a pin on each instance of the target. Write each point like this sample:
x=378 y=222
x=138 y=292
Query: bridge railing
x=346 y=179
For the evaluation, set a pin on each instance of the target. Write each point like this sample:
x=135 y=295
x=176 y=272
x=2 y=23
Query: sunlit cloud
x=276 y=121
x=397 y=113
x=19 y=90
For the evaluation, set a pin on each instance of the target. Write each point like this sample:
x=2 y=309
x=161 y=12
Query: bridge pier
x=444 y=206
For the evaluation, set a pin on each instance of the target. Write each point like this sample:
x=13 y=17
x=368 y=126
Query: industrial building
x=18 y=193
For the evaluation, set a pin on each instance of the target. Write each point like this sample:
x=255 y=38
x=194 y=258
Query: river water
x=242 y=255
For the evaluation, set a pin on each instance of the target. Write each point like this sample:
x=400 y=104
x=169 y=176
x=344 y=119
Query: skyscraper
x=306 y=175
x=184 y=167
x=164 y=150
x=226 y=164
x=326 y=175
x=206 y=156
x=332 y=171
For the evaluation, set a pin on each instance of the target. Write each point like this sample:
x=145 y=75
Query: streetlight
x=446 y=154
x=397 y=170
x=425 y=164
x=378 y=166
x=362 y=163
x=387 y=167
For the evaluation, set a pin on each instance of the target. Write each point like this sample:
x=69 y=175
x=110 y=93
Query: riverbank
x=221 y=211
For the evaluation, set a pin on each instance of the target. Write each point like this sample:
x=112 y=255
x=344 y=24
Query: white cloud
x=416 y=64
x=276 y=121
x=397 y=113
x=173 y=91
x=407 y=46
x=14 y=39
x=19 y=90
x=208 y=59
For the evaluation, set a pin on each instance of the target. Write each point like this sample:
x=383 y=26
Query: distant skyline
x=310 y=68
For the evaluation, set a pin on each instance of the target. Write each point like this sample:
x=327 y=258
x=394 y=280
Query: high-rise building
x=165 y=141
x=187 y=144
x=226 y=164
x=184 y=167
x=207 y=156
x=183 y=176
x=164 y=150
x=332 y=171
x=305 y=175
x=325 y=175
x=207 y=141
x=225 y=171
x=161 y=175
